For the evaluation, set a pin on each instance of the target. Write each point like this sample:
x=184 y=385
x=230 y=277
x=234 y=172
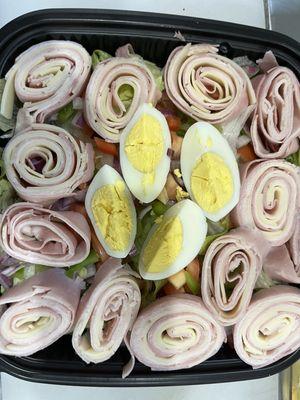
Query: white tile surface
x=249 y=12
x=262 y=389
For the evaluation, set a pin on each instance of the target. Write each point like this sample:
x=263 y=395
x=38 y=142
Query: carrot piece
x=170 y=289
x=105 y=147
x=246 y=153
x=173 y=122
x=193 y=268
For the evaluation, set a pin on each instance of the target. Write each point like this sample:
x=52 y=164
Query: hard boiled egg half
x=111 y=210
x=144 y=160
x=174 y=242
x=210 y=170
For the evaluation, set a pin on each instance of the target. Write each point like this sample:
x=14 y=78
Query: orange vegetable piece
x=106 y=147
x=246 y=153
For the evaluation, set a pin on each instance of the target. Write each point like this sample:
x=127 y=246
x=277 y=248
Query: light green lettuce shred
x=28 y=271
x=215 y=230
x=150 y=291
x=126 y=94
x=157 y=74
x=7 y=124
x=65 y=113
x=294 y=158
x=99 y=56
x=264 y=281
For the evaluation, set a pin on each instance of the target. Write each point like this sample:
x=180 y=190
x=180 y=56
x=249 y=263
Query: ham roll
x=106 y=313
x=275 y=123
x=280 y=266
x=45 y=78
x=230 y=268
x=269 y=199
x=104 y=110
x=207 y=86
x=270 y=328
x=45 y=163
x=294 y=245
x=40 y=310
x=175 y=332
x=37 y=235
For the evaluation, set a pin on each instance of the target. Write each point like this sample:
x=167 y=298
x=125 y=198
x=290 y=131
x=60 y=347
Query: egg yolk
x=211 y=182
x=164 y=246
x=111 y=210
x=144 y=145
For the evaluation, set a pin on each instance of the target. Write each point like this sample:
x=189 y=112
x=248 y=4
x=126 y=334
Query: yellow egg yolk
x=111 y=210
x=211 y=182
x=144 y=146
x=164 y=246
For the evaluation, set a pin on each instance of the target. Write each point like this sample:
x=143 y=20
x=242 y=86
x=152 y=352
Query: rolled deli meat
x=37 y=312
x=231 y=266
x=106 y=313
x=207 y=86
x=46 y=77
x=35 y=234
x=275 y=122
x=270 y=328
x=175 y=332
x=105 y=111
x=269 y=199
x=45 y=163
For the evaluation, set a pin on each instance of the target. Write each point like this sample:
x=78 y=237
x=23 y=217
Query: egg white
x=109 y=176
x=132 y=176
x=194 y=230
x=201 y=138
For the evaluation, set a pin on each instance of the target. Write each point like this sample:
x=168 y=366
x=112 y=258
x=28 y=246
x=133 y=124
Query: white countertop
x=240 y=11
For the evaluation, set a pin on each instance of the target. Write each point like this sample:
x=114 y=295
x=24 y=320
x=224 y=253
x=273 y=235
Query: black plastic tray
x=152 y=36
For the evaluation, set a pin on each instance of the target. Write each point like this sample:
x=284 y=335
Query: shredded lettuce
x=264 y=281
x=215 y=229
x=7 y=124
x=66 y=113
x=99 y=56
x=156 y=72
x=126 y=94
x=92 y=258
x=27 y=272
x=150 y=291
x=294 y=158
x=192 y=283
x=7 y=195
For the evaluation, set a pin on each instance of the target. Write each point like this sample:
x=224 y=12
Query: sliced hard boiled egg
x=173 y=243
x=144 y=160
x=111 y=210
x=210 y=170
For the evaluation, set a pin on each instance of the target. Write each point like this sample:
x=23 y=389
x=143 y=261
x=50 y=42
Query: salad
x=159 y=208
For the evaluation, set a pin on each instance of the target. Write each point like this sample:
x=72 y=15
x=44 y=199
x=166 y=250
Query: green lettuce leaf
x=98 y=56
x=92 y=258
x=294 y=158
x=126 y=94
x=7 y=194
x=27 y=272
x=7 y=124
x=65 y=113
x=156 y=72
x=264 y=281
x=150 y=291
x=215 y=230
